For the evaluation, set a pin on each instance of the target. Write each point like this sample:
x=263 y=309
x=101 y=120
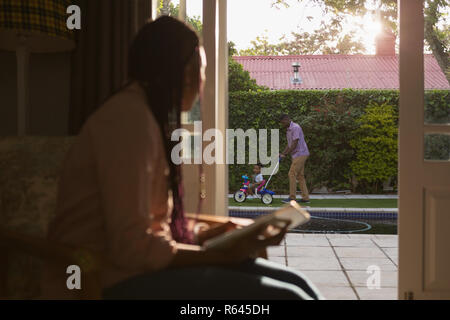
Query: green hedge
x=330 y=120
x=376 y=146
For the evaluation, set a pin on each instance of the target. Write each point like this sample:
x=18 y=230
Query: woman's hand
x=246 y=247
x=250 y=245
x=206 y=232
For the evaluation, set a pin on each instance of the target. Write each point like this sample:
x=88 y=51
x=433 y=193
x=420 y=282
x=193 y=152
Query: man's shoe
x=286 y=200
x=303 y=201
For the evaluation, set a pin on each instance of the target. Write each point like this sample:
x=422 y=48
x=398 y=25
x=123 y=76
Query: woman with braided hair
x=120 y=194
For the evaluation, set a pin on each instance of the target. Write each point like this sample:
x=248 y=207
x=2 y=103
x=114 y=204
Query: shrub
x=239 y=79
x=375 y=145
x=328 y=130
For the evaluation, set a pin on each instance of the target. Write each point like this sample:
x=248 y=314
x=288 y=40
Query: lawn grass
x=326 y=203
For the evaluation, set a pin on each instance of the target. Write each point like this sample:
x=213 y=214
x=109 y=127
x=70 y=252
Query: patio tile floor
x=337 y=263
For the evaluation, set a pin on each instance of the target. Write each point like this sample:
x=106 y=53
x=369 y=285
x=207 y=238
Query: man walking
x=299 y=152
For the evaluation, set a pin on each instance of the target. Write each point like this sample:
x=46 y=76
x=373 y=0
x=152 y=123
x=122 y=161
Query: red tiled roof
x=336 y=71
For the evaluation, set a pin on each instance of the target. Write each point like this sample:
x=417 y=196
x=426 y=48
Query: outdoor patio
x=337 y=263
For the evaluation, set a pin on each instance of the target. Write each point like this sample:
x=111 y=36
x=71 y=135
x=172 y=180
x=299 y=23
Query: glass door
x=204 y=184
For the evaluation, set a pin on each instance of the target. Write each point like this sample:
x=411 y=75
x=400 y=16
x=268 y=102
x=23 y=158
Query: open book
x=292 y=214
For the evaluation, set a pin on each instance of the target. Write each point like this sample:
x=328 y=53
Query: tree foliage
x=238 y=78
x=328 y=39
x=195 y=22
x=437 y=29
x=261 y=47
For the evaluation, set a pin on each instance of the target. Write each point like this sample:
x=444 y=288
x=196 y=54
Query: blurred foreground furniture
x=29 y=171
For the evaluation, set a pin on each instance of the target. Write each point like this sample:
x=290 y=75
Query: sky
x=248 y=19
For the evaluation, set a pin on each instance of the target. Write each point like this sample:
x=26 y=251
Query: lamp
x=296 y=79
x=32 y=26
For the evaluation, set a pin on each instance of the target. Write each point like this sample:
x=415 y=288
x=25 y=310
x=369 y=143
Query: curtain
x=99 y=62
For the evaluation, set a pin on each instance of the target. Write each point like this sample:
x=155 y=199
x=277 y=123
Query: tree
x=195 y=22
x=328 y=39
x=438 y=39
x=262 y=47
x=238 y=78
x=437 y=34
x=166 y=7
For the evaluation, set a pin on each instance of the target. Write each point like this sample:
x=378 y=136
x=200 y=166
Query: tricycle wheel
x=267 y=198
x=239 y=196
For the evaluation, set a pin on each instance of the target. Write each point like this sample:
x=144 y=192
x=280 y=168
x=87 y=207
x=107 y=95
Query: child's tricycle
x=262 y=192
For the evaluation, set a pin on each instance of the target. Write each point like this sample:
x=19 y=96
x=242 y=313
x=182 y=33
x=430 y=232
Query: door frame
x=424 y=187
x=214 y=181
x=215 y=101
x=411 y=70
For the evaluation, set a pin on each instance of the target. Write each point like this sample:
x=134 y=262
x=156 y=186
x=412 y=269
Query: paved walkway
x=337 y=263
